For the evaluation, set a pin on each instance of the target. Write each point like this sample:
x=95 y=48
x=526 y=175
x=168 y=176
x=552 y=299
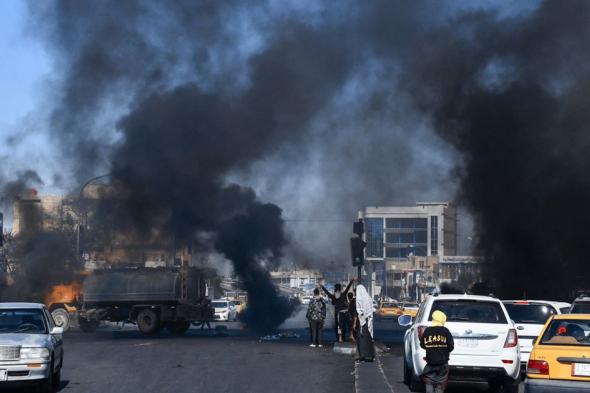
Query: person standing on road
x=364 y=308
x=438 y=342
x=340 y=303
x=352 y=316
x=316 y=314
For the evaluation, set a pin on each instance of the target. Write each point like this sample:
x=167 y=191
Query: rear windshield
x=389 y=305
x=567 y=332
x=470 y=311
x=581 y=308
x=529 y=313
x=22 y=321
x=219 y=304
x=413 y=305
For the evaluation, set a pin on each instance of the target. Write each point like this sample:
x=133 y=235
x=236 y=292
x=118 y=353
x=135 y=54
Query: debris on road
x=279 y=336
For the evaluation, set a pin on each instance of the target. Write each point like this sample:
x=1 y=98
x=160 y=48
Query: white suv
x=486 y=342
x=530 y=317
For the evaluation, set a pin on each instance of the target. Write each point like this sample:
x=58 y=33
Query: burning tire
x=87 y=326
x=61 y=318
x=148 y=321
x=178 y=327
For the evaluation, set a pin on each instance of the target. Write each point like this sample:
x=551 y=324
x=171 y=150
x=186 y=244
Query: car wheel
x=56 y=382
x=415 y=384
x=178 y=327
x=406 y=373
x=61 y=318
x=87 y=326
x=511 y=386
x=46 y=385
x=148 y=321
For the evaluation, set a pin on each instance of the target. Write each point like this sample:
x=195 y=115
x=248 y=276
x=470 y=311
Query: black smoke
x=509 y=94
x=327 y=109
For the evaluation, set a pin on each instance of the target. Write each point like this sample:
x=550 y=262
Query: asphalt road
x=120 y=360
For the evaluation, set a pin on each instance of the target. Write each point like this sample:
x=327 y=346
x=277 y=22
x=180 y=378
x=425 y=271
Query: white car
x=31 y=346
x=486 y=342
x=530 y=317
x=224 y=310
x=581 y=305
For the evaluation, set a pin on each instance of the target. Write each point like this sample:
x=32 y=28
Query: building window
x=434 y=235
x=407 y=223
x=374 y=236
x=405 y=251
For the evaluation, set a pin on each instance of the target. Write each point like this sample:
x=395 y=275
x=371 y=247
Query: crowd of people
x=353 y=317
x=353 y=321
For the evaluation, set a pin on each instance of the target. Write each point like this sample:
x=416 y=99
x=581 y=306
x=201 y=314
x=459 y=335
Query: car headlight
x=34 y=353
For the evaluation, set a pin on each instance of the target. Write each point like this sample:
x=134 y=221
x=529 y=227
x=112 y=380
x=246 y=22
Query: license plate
x=581 y=369
x=3 y=375
x=467 y=342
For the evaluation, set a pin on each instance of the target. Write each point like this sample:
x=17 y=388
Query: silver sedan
x=31 y=346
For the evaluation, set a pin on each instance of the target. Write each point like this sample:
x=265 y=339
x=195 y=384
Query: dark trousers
x=340 y=324
x=316 y=332
x=364 y=344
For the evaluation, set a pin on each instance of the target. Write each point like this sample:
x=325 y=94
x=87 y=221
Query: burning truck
x=151 y=298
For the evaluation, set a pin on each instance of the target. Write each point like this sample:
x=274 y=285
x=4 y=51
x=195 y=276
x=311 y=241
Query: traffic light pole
x=359 y=274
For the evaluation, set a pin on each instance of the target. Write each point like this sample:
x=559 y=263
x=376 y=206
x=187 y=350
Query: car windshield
x=411 y=305
x=389 y=305
x=567 y=332
x=22 y=321
x=219 y=304
x=581 y=308
x=530 y=313
x=473 y=311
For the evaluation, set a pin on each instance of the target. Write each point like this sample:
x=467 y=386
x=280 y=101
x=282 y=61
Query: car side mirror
x=57 y=330
x=405 y=320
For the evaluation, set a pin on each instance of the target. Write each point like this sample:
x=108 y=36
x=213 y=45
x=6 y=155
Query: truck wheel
x=61 y=318
x=87 y=326
x=178 y=327
x=148 y=321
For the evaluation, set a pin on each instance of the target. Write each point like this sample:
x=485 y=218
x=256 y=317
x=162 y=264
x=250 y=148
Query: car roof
x=550 y=302
x=464 y=297
x=572 y=316
x=16 y=305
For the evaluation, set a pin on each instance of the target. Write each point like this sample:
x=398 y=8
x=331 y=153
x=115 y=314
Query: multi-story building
x=395 y=234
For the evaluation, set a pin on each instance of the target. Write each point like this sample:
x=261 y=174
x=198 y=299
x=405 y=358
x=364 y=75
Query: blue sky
x=23 y=64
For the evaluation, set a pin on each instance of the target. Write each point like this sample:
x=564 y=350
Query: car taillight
x=511 y=339
x=537 y=367
x=421 y=330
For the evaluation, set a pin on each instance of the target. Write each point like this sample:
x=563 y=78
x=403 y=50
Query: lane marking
x=378 y=358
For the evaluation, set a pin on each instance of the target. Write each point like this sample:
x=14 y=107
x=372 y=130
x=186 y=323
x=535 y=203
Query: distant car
x=240 y=305
x=560 y=360
x=530 y=316
x=486 y=342
x=305 y=299
x=410 y=308
x=224 y=310
x=389 y=309
x=581 y=305
x=31 y=346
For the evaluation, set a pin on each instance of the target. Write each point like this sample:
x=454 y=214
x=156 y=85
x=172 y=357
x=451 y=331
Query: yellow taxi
x=389 y=309
x=560 y=360
x=410 y=309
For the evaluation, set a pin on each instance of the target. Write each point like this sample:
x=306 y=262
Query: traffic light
x=358 y=227
x=357 y=251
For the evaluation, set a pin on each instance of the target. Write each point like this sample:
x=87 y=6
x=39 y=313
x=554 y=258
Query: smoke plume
x=323 y=110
